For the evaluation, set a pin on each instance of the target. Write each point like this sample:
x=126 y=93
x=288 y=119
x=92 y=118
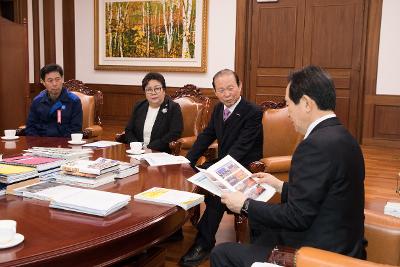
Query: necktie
x=227 y=112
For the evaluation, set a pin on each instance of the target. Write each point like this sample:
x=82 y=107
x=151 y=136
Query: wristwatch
x=245 y=208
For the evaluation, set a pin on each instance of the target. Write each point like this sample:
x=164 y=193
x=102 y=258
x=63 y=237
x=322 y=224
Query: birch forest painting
x=151 y=29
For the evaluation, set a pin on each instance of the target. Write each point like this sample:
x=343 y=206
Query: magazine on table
x=162 y=158
x=228 y=175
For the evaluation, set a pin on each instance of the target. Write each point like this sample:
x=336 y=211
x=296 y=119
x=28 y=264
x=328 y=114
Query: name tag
x=59 y=116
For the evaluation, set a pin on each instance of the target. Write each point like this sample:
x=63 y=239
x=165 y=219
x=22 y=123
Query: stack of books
x=76 y=199
x=89 y=201
x=58 y=152
x=41 y=164
x=126 y=169
x=86 y=173
x=12 y=173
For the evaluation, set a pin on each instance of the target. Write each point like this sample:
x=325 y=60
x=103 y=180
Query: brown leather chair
x=92 y=103
x=313 y=257
x=195 y=110
x=383 y=235
x=280 y=141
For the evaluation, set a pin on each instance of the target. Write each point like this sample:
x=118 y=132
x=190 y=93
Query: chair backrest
x=92 y=102
x=383 y=235
x=195 y=109
x=280 y=136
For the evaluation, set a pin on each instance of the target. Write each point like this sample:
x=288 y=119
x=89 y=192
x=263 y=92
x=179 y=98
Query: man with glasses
x=55 y=111
x=236 y=124
x=157 y=120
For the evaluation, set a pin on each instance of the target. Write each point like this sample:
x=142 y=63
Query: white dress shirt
x=149 y=123
x=316 y=122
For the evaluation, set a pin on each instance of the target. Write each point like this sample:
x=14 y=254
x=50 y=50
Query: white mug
x=135 y=146
x=76 y=137
x=8 y=229
x=10 y=133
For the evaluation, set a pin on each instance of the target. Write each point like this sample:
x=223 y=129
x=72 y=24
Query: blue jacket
x=42 y=119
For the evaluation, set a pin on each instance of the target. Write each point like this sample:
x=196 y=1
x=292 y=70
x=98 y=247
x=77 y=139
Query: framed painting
x=159 y=35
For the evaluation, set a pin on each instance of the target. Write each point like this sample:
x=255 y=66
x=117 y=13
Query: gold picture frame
x=152 y=35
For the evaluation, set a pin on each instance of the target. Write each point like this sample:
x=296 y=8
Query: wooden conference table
x=61 y=238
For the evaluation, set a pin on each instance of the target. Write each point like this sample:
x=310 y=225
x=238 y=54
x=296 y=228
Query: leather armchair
x=195 y=110
x=383 y=235
x=92 y=103
x=313 y=257
x=280 y=141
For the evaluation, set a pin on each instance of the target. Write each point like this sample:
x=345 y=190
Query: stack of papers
x=58 y=152
x=392 y=208
x=88 y=201
x=159 y=195
x=38 y=190
x=161 y=159
x=102 y=144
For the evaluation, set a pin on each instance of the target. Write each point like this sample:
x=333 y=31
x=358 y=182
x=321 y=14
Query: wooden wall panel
x=49 y=32
x=387 y=122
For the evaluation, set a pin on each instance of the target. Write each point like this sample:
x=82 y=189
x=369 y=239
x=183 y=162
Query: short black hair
x=314 y=82
x=153 y=76
x=51 y=68
x=226 y=71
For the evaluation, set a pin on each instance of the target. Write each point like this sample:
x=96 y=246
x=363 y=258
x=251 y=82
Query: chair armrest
x=20 y=131
x=257 y=166
x=277 y=164
x=187 y=142
x=175 y=147
x=120 y=137
x=92 y=131
x=313 y=257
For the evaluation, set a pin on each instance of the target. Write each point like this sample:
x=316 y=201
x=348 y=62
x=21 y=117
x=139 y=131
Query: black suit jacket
x=240 y=135
x=323 y=201
x=167 y=127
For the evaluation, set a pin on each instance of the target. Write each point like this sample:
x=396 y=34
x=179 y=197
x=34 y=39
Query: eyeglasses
x=154 y=90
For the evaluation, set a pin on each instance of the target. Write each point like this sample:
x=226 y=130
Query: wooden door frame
x=243 y=60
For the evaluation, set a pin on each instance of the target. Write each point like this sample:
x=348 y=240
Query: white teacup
x=136 y=146
x=8 y=229
x=10 y=133
x=76 y=137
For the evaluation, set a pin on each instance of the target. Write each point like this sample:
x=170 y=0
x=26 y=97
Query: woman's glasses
x=154 y=90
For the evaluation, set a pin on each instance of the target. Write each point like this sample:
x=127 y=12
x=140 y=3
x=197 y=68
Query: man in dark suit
x=236 y=124
x=323 y=202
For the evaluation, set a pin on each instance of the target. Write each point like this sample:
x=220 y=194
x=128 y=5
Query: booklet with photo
x=228 y=175
x=97 y=167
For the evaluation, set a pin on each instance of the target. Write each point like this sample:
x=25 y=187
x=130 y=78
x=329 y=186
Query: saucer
x=10 y=138
x=130 y=151
x=18 y=238
x=76 y=142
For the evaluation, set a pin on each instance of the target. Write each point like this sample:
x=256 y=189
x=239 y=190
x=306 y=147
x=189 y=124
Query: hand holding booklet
x=228 y=175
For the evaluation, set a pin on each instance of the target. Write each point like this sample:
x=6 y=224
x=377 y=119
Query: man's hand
x=234 y=201
x=267 y=178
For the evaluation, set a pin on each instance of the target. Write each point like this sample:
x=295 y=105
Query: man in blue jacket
x=55 y=111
